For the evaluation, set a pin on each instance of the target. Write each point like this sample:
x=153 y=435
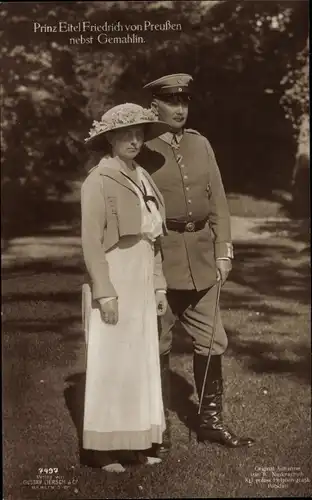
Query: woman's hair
x=99 y=149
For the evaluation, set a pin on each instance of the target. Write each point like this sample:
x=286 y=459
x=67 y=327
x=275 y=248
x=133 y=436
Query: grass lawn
x=266 y=311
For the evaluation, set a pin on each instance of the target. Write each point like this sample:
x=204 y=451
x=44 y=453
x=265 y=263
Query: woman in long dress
x=123 y=217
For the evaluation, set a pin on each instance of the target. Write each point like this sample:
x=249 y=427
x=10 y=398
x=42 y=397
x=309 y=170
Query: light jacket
x=110 y=209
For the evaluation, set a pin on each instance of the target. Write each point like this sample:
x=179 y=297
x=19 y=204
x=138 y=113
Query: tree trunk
x=301 y=174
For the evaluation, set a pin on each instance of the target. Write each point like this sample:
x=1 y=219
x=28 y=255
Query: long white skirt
x=123 y=400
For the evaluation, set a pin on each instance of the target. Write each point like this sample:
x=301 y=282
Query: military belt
x=185 y=226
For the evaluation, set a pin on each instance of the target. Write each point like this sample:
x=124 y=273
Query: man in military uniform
x=197 y=251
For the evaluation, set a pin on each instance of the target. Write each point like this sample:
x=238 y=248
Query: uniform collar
x=168 y=136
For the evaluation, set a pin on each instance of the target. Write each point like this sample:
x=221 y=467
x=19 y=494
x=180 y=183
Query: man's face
x=172 y=109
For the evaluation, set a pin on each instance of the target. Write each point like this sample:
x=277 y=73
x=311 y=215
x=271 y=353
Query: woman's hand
x=161 y=302
x=109 y=310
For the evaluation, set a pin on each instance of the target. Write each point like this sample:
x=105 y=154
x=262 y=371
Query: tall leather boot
x=165 y=385
x=210 y=424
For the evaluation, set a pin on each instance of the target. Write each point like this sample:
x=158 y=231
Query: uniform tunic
x=123 y=400
x=186 y=173
x=188 y=177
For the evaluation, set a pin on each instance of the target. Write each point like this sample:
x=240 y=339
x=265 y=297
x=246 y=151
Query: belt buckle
x=190 y=227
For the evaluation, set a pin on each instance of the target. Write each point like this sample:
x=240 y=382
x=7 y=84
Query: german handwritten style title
x=106 y=33
x=88 y=27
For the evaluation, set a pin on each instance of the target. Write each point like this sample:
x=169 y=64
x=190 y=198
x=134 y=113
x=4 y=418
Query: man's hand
x=224 y=267
x=161 y=302
x=109 y=310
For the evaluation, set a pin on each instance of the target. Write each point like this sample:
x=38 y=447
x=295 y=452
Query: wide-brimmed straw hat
x=127 y=115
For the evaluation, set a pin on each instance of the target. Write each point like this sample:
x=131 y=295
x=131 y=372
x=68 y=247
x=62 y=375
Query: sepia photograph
x=155 y=244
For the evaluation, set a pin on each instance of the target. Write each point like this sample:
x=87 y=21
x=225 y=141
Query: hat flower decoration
x=127 y=115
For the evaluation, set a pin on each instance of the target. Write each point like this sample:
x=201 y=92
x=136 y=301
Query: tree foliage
x=241 y=55
x=42 y=108
x=249 y=60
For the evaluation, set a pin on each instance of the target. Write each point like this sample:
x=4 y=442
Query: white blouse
x=152 y=223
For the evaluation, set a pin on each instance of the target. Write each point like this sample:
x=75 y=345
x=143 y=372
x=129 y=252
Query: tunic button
x=182 y=166
x=185 y=177
x=187 y=188
x=190 y=201
x=190 y=213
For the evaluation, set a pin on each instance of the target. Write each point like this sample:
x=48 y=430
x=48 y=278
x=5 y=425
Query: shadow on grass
x=268 y=357
x=61 y=326
x=74 y=400
x=257 y=356
x=66 y=297
x=295 y=230
x=277 y=272
x=72 y=266
x=181 y=403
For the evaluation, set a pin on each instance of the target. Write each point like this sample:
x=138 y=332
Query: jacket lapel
x=109 y=167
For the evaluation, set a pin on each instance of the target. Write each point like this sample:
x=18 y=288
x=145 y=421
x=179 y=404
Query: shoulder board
x=192 y=131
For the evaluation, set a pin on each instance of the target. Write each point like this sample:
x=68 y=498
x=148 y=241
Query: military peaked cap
x=170 y=84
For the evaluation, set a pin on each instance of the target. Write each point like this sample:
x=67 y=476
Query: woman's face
x=127 y=142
